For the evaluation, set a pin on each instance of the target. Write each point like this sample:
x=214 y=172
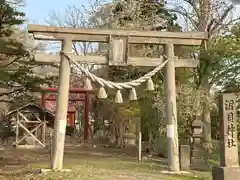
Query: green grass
x=214 y=158
x=89 y=164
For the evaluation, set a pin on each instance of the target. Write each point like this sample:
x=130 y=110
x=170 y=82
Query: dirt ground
x=86 y=163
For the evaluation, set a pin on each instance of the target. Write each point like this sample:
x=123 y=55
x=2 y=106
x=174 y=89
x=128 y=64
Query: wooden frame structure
x=118 y=39
x=22 y=121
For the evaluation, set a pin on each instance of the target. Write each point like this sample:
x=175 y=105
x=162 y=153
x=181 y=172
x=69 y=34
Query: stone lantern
x=191 y=156
x=197 y=129
x=198 y=155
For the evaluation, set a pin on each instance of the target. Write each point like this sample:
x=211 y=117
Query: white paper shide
x=170 y=131
x=62 y=127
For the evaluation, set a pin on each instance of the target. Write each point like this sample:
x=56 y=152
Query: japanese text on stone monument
x=229 y=109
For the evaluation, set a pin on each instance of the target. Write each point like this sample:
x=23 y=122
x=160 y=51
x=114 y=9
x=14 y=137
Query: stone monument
x=229 y=167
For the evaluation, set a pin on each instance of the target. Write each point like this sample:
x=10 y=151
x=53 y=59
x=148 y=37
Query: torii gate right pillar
x=171 y=110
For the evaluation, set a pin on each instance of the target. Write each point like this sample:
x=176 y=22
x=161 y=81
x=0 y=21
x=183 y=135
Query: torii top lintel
x=43 y=32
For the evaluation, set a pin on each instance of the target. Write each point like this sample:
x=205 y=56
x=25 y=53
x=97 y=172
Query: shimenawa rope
x=113 y=85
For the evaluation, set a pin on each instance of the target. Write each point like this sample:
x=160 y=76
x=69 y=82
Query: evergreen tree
x=16 y=62
x=10 y=18
x=151 y=15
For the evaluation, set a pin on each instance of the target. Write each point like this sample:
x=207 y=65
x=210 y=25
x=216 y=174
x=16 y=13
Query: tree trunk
x=120 y=135
x=206 y=119
x=207 y=126
x=112 y=133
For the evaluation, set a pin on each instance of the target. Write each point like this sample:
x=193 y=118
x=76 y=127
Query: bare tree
x=212 y=16
x=216 y=18
x=78 y=17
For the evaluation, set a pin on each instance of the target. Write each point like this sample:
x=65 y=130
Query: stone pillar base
x=184 y=152
x=226 y=173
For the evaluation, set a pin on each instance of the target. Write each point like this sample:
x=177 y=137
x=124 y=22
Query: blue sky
x=37 y=10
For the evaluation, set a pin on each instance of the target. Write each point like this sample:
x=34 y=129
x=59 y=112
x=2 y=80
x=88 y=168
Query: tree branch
x=13 y=91
x=222 y=18
x=186 y=15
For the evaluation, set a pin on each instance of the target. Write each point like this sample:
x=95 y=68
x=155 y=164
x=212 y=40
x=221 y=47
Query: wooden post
x=139 y=145
x=36 y=134
x=139 y=136
x=86 y=116
x=17 y=127
x=44 y=120
x=62 y=106
x=171 y=110
x=44 y=129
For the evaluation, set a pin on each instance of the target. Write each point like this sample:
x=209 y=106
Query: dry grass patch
x=86 y=164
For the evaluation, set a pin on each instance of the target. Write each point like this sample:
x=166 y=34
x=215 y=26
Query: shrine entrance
x=117 y=55
x=77 y=97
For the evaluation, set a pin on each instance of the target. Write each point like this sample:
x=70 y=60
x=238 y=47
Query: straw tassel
x=133 y=95
x=88 y=84
x=118 y=97
x=102 y=93
x=150 y=85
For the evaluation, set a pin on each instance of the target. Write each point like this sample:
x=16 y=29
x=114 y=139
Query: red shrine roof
x=76 y=95
x=75 y=100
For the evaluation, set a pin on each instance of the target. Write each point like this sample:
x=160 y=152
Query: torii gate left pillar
x=62 y=108
x=119 y=40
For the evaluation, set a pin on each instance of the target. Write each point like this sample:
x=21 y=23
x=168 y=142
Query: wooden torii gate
x=118 y=40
